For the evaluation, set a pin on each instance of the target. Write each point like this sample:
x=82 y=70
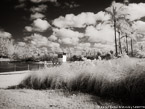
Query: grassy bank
x=120 y=79
x=49 y=99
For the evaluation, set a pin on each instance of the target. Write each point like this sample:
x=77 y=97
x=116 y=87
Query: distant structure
x=126 y=2
x=62 y=58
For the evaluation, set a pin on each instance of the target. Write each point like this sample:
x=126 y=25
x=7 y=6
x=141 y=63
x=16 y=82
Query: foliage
x=6 y=47
x=120 y=79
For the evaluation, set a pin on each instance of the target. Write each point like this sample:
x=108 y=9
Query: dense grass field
x=121 y=80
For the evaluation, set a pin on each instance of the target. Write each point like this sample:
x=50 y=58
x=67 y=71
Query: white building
x=62 y=58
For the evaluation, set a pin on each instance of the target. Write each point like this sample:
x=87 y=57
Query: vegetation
x=120 y=79
x=6 y=47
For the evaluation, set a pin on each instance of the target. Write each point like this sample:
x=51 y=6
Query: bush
x=121 y=79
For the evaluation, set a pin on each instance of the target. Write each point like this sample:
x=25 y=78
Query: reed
x=119 y=79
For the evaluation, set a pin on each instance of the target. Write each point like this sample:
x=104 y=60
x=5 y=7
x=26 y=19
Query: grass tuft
x=121 y=79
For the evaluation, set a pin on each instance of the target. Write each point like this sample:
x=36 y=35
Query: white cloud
x=104 y=47
x=84 y=46
x=119 y=8
x=105 y=35
x=69 y=41
x=133 y=11
x=41 y=1
x=40 y=8
x=136 y=11
x=52 y=38
x=67 y=36
x=4 y=34
x=21 y=43
x=37 y=40
x=37 y=16
x=28 y=28
x=139 y=26
x=54 y=46
x=102 y=16
x=22 y=5
x=71 y=4
x=38 y=25
x=80 y=20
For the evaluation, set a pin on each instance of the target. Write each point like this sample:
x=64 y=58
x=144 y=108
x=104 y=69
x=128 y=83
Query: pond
x=19 y=66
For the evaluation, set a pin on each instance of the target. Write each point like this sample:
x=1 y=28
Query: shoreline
x=8 y=79
x=14 y=72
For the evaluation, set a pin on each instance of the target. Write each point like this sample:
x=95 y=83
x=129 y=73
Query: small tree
x=6 y=47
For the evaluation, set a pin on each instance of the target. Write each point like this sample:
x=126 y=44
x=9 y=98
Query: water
x=19 y=66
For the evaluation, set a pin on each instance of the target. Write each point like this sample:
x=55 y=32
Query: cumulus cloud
x=40 y=8
x=133 y=11
x=38 y=25
x=67 y=36
x=39 y=40
x=28 y=28
x=80 y=20
x=104 y=47
x=71 y=4
x=37 y=16
x=139 y=26
x=22 y=5
x=41 y=1
x=105 y=35
x=136 y=11
x=83 y=46
x=52 y=38
x=21 y=43
x=54 y=46
x=4 y=34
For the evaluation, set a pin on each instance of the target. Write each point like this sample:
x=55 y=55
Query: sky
x=56 y=23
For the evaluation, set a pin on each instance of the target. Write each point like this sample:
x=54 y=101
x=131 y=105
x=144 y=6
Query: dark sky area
x=13 y=19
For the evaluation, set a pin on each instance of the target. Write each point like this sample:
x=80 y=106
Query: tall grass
x=120 y=79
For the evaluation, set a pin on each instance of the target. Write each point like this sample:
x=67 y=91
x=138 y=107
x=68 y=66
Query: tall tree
x=116 y=14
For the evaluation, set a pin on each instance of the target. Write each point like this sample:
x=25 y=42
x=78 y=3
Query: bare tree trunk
x=115 y=38
x=120 y=46
x=131 y=47
x=126 y=45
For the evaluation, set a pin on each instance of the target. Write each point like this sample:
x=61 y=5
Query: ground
x=48 y=99
x=43 y=99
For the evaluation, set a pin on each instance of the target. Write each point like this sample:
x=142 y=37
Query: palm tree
x=120 y=46
x=116 y=15
x=135 y=34
x=126 y=2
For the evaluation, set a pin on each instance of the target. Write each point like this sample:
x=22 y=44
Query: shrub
x=120 y=79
